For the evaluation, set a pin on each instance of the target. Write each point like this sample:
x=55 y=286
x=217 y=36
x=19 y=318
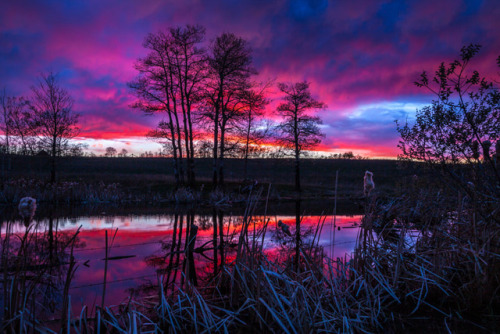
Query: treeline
x=203 y=150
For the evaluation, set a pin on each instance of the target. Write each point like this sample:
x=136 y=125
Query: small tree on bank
x=53 y=118
x=298 y=130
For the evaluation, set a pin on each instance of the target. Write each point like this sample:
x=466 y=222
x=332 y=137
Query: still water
x=143 y=247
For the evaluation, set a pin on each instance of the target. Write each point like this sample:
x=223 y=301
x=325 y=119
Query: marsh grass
x=446 y=280
x=37 y=269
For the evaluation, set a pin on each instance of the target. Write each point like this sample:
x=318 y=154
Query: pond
x=146 y=245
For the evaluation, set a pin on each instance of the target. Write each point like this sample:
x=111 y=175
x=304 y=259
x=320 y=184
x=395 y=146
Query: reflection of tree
x=37 y=267
x=231 y=279
x=299 y=248
x=180 y=261
x=214 y=239
x=297 y=234
x=169 y=263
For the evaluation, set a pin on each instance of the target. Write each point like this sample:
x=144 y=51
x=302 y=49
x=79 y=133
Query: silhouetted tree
x=18 y=125
x=189 y=63
x=110 y=152
x=77 y=150
x=155 y=89
x=460 y=126
x=204 y=147
x=254 y=102
x=298 y=130
x=4 y=126
x=348 y=155
x=170 y=81
x=229 y=69
x=54 y=120
x=22 y=126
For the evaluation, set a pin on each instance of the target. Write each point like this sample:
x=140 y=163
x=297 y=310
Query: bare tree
x=170 y=80
x=123 y=153
x=4 y=126
x=155 y=90
x=77 y=150
x=53 y=117
x=298 y=130
x=229 y=69
x=188 y=61
x=204 y=148
x=254 y=102
x=22 y=127
x=110 y=152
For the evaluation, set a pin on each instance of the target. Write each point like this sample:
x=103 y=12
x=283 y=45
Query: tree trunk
x=179 y=146
x=53 y=160
x=297 y=174
x=215 y=148
x=186 y=142
x=191 y=145
x=172 y=252
x=247 y=146
x=174 y=148
x=297 y=152
x=177 y=127
x=191 y=268
x=178 y=252
x=221 y=157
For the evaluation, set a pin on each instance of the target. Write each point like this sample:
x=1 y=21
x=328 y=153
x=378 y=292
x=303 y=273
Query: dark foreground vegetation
x=446 y=281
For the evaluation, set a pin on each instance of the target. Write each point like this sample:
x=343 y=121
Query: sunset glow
x=361 y=57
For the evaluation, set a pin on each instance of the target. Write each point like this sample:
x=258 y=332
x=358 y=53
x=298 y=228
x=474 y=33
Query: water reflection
x=37 y=264
x=178 y=249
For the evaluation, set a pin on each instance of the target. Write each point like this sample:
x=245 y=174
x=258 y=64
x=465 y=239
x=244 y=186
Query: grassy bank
x=151 y=179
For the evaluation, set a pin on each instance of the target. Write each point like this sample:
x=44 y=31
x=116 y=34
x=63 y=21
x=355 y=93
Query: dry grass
x=445 y=281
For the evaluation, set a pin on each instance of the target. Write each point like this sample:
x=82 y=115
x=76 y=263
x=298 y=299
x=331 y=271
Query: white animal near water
x=369 y=185
x=27 y=208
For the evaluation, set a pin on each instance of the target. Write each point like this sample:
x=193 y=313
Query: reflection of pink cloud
x=142 y=241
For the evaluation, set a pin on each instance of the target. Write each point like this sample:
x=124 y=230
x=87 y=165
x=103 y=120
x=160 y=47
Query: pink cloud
x=353 y=53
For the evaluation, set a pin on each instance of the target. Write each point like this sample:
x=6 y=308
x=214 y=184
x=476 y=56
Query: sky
x=361 y=57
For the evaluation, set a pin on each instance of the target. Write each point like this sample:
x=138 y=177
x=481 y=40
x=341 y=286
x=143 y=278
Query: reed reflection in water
x=179 y=247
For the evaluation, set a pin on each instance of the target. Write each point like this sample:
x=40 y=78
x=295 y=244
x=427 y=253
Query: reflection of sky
x=140 y=237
